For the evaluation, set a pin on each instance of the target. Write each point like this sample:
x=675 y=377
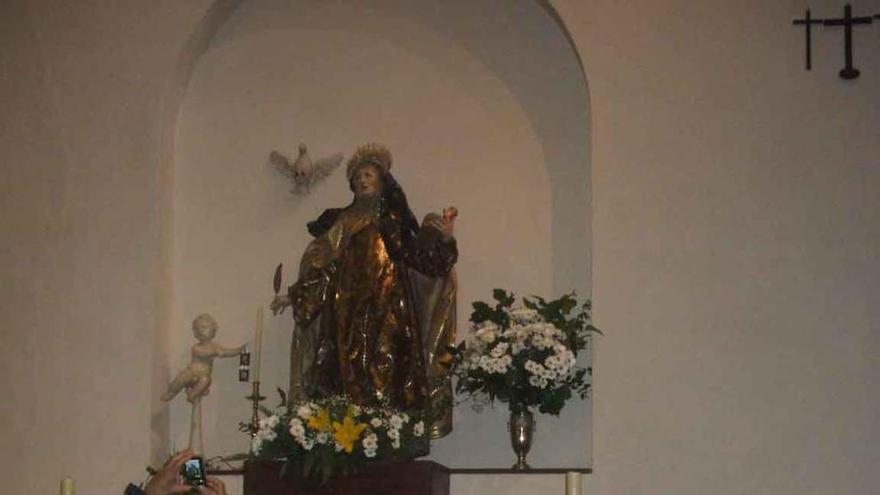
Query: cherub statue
x=196 y=377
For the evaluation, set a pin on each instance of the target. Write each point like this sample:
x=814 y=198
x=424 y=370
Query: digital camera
x=193 y=471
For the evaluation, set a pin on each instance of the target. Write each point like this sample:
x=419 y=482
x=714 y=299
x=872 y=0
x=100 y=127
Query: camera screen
x=193 y=471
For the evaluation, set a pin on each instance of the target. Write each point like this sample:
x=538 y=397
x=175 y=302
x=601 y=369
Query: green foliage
x=516 y=385
x=318 y=451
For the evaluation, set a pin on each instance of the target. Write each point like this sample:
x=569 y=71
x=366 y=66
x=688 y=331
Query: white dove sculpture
x=303 y=173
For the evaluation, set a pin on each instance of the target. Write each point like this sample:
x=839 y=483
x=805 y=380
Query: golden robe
x=364 y=328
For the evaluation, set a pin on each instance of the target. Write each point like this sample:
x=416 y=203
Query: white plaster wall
x=81 y=90
x=734 y=239
x=463 y=131
x=736 y=259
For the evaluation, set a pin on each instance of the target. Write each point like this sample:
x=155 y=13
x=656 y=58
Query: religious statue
x=374 y=302
x=196 y=377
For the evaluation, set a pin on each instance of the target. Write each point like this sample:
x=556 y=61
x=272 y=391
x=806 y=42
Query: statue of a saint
x=374 y=303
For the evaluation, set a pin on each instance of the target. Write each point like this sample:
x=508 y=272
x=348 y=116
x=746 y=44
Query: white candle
x=572 y=483
x=67 y=486
x=258 y=344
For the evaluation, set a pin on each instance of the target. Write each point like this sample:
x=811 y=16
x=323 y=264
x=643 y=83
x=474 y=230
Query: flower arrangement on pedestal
x=525 y=356
x=322 y=438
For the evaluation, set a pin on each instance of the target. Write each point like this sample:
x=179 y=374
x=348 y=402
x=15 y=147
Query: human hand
x=279 y=304
x=167 y=480
x=214 y=487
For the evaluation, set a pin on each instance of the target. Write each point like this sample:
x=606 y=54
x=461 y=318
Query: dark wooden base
x=392 y=478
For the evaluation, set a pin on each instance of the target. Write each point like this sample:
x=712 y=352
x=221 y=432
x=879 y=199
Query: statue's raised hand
x=279 y=304
x=445 y=223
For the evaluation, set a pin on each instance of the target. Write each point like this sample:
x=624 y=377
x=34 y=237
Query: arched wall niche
x=484 y=105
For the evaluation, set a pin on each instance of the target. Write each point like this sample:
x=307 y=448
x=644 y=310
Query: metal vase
x=522 y=428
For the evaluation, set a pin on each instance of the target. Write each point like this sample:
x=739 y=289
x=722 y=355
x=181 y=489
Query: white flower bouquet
x=526 y=355
x=323 y=438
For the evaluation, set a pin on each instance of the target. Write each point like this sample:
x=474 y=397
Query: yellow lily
x=321 y=420
x=347 y=432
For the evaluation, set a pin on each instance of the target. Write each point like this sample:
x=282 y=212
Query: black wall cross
x=808 y=22
x=847 y=21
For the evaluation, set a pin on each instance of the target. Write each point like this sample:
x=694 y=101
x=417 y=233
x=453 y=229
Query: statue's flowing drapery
x=374 y=306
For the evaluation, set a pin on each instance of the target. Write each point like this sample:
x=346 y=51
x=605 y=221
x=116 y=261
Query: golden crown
x=372 y=153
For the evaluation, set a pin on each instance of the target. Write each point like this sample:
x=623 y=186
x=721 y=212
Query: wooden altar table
x=391 y=478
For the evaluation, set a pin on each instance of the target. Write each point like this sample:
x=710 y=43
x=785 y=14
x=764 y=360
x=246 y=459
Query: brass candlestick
x=255 y=399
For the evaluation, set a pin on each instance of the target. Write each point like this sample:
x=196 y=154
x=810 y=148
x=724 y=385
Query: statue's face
x=366 y=181
x=204 y=329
